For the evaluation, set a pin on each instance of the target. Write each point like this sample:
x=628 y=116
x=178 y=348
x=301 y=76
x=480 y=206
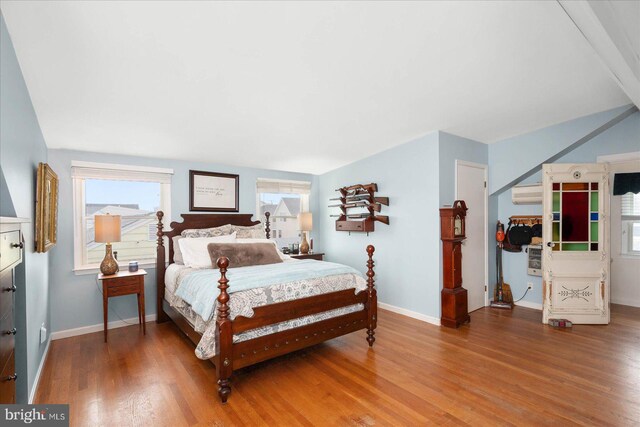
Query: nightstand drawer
x=114 y=291
x=318 y=256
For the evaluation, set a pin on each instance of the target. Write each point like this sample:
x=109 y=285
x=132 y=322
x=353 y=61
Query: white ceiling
x=298 y=86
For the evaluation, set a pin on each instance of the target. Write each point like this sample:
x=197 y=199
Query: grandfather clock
x=453 y=295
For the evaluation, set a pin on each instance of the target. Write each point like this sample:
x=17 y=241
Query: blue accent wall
x=22 y=147
x=513 y=158
x=76 y=300
x=407 y=250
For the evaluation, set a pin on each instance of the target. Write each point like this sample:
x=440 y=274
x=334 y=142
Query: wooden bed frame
x=238 y=355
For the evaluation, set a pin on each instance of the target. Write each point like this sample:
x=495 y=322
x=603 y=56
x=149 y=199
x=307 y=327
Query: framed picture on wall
x=214 y=192
x=46 y=208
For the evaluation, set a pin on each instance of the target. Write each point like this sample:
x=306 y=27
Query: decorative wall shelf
x=361 y=197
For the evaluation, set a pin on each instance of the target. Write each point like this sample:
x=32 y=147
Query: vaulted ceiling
x=300 y=86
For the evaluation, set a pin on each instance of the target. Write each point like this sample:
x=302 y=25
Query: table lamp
x=108 y=231
x=305 y=221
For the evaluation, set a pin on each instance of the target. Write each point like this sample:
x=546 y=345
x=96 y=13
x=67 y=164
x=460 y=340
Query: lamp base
x=109 y=265
x=304 y=245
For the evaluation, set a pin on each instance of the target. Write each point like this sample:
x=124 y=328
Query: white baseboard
x=632 y=303
x=409 y=313
x=36 y=380
x=99 y=327
x=528 y=304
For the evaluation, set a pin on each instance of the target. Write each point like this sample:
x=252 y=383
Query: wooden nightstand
x=317 y=256
x=123 y=283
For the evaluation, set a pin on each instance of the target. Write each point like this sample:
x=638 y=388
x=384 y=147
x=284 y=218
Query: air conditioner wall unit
x=527 y=194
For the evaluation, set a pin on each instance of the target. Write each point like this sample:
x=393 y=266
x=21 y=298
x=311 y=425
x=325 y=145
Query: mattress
x=242 y=303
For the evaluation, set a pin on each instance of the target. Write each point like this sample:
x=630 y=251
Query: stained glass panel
x=575 y=217
x=575 y=186
x=594 y=231
x=575 y=246
x=556 y=232
x=594 y=201
x=556 y=201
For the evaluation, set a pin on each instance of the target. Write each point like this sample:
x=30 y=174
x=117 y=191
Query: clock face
x=457 y=226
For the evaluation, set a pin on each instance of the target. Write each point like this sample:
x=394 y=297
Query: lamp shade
x=107 y=228
x=305 y=220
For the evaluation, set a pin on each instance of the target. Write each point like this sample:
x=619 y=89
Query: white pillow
x=273 y=242
x=194 y=250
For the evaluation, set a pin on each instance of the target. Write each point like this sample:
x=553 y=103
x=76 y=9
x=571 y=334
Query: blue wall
x=513 y=158
x=624 y=137
x=408 y=250
x=22 y=147
x=67 y=288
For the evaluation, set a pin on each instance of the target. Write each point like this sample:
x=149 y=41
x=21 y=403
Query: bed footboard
x=234 y=356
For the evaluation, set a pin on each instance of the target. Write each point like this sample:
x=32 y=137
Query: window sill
x=85 y=271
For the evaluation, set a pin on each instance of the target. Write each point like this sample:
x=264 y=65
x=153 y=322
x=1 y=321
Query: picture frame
x=214 y=192
x=46 y=232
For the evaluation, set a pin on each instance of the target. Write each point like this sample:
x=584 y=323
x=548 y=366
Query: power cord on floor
x=525 y=294
x=111 y=308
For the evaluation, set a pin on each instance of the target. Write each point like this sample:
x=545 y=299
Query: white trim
x=619 y=158
x=36 y=380
x=409 y=313
x=595 y=21
x=529 y=304
x=486 y=217
x=133 y=321
x=80 y=265
x=113 y=166
x=626 y=301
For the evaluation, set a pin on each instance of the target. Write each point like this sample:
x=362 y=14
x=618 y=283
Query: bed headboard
x=192 y=221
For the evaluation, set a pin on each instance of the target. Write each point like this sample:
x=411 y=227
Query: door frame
x=485 y=168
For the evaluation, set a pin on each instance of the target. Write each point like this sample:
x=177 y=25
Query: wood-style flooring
x=506 y=368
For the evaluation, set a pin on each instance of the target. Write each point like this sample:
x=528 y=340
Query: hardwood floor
x=505 y=368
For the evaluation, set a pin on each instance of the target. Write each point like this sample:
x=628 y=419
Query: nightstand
x=123 y=283
x=317 y=256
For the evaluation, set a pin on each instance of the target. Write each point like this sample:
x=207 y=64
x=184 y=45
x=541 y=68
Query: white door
x=576 y=234
x=471 y=181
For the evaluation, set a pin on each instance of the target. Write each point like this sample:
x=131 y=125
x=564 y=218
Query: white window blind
x=87 y=170
x=282 y=187
x=630 y=206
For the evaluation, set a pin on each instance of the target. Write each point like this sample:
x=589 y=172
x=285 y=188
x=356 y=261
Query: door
x=576 y=234
x=471 y=187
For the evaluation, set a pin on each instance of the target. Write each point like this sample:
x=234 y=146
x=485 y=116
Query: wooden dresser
x=11 y=249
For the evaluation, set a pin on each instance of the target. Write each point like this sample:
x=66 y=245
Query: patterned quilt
x=242 y=303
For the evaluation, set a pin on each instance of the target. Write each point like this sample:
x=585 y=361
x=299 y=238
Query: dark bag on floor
x=520 y=235
x=507 y=245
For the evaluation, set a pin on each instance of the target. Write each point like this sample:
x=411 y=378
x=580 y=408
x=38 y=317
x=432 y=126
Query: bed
x=241 y=331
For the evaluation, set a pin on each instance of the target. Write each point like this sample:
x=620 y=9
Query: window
x=284 y=200
x=630 y=224
x=134 y=193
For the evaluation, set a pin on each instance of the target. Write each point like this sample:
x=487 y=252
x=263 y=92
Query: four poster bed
x=235 y=335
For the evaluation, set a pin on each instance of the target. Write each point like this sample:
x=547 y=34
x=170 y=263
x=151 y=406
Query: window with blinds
x=284 y=200
x=630 y=212
x=134 y=193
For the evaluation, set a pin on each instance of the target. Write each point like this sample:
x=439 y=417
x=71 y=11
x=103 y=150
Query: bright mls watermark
x=35 y=415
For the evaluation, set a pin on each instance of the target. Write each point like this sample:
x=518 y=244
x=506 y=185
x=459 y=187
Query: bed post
x=372 y=298
x=267 y=230
x=224 y=333
x=161 y=316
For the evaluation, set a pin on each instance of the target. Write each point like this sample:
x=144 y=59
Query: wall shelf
x=363 y=199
